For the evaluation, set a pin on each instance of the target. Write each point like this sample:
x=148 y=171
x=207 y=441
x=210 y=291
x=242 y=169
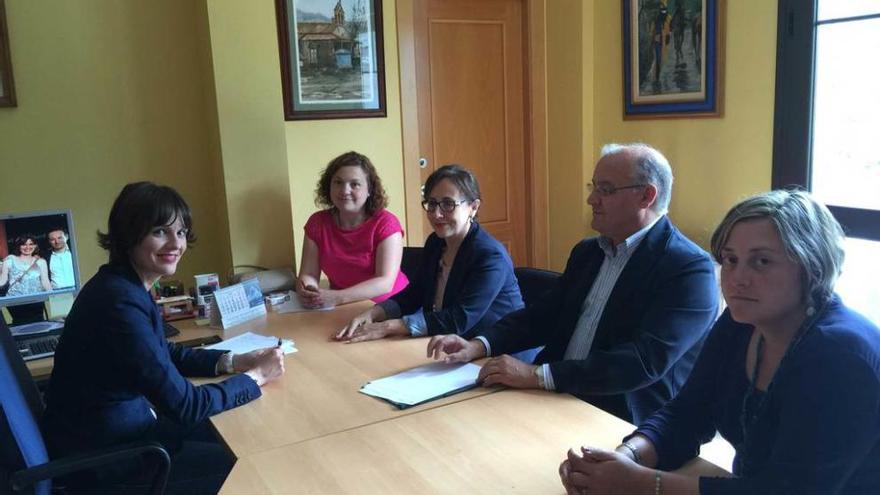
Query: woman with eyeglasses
x=465 y=279
x=354 y=240
x=789 y=375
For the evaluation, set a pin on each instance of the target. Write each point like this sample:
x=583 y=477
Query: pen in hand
x=279 y=342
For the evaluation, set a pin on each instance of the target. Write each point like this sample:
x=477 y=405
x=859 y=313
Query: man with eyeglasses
x=623 y=325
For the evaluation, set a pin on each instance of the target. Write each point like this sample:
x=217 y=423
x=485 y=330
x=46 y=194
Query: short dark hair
x=377 y=199
x=21 y=239
x=461 y=177
x=139 y=207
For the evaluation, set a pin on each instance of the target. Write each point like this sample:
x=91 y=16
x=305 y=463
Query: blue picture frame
x=672 y=58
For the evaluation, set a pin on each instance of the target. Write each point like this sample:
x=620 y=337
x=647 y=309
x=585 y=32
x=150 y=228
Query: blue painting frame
x=672 y=58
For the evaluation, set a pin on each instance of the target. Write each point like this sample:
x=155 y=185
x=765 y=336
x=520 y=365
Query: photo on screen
x=38 y=255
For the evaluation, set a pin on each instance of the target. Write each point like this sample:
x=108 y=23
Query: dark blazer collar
x=466 y=246
x=459 y=266
x=655 y=240
x=124 y=270
x=658 y=236
x=642 y=260
x=468 y=238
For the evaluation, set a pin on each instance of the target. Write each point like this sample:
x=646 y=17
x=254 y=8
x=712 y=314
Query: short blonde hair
x=811 y=235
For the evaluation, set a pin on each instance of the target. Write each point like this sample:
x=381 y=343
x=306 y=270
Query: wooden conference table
x=313 y=432
x=318 y=393
x=506 y=442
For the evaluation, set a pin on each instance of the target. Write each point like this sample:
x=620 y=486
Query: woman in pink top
x=355 y=241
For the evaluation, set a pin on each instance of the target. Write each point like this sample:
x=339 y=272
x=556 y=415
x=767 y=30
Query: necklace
x=749 y=409
x=754 y=403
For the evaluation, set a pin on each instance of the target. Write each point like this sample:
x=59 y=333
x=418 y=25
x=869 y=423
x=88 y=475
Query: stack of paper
x=424 y=383
x=250 y=341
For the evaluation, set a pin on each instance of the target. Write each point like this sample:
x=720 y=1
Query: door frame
x=535 y=114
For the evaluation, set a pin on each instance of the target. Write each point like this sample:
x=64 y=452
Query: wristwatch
x=539 y=373
x=225 y=365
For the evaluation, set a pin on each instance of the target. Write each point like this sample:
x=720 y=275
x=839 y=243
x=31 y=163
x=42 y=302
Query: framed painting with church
x=332 y=64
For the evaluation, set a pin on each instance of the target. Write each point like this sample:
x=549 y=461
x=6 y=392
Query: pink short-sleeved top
x=348 y=257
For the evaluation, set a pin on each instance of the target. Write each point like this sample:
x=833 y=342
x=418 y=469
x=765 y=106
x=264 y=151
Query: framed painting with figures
x=672 y=58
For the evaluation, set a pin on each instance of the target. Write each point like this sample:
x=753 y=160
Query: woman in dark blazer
x=465 y=281
x=117 y=380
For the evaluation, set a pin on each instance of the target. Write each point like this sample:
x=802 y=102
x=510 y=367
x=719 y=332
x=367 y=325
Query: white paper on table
x=250 y=341
x=293 y=305
x=423 y=383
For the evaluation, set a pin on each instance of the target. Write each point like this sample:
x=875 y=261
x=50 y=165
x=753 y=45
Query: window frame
x=793 y=119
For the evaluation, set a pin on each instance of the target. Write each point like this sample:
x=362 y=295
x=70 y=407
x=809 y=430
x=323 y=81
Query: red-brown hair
x=377 y=199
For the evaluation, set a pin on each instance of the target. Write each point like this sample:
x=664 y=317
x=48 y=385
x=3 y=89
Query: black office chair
x=412 y=259
x=24 y=461
x=534 y=282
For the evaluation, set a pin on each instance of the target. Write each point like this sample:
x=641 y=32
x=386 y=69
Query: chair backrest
x=23 y=445
x=534 y=282
x=412 y=259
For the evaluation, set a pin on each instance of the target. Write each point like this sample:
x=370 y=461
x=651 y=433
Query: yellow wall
x=313 y=143
x=567 y=128
x=271 y=166
x=244 y=53
x=110 y=92
x=716 y=161
x=106 y=98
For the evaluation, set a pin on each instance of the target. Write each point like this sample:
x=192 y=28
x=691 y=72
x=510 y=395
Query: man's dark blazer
x=648 y=336
x=481 y=287
x=113 y=364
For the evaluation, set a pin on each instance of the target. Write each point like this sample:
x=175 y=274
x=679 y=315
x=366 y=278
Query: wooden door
x=470 y=60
